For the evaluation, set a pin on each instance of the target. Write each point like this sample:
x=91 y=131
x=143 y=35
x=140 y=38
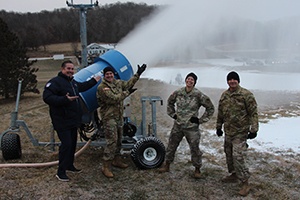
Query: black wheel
x=11 y=146
x=148 y=153
x=129 y=129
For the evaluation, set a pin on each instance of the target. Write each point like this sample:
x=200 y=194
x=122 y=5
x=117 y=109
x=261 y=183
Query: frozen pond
x=214 y=75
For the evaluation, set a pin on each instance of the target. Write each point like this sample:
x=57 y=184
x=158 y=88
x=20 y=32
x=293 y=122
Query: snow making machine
x=146 y=150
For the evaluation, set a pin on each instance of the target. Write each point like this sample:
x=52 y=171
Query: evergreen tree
x=14 y=65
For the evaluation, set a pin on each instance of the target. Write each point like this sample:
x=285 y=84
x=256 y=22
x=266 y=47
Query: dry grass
x=273 y=176
x=63 y=48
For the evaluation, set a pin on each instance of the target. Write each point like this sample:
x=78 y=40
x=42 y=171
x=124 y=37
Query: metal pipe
x=14 y=115
x=18 y=94
x=83 y=37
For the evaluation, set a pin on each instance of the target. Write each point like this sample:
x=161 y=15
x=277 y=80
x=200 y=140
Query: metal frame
x=141 y=130
x=83 y=35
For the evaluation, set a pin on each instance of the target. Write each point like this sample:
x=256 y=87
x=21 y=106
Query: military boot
x=230 y=179
x=164 y=168
x=106 y=169
x=245 y=189
x=117 y=162
x=197 y=173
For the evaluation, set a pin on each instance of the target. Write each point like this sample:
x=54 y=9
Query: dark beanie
x=233 y=75
x=108 y=69
x=192 y=75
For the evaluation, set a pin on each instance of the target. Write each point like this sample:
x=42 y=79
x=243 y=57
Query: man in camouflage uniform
x=188 y=101
x=110 y=95
x=238 y=112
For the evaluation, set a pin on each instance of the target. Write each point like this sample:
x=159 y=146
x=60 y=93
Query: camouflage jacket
x=110 y=97
x=238 y=112
x=188 y=105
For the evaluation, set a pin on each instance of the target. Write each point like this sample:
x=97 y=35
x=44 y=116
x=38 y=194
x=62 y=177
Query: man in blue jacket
x=61 y=93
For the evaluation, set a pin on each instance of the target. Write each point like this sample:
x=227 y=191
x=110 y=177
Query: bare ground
x=273 y=176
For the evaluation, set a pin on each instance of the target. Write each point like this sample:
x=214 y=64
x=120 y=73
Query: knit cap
x=233 y=75
x=194 y=76
x=108 y=69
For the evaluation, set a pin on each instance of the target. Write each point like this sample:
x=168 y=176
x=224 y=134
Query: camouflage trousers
x=235 y=148
x=192 y=136
x=113 y=130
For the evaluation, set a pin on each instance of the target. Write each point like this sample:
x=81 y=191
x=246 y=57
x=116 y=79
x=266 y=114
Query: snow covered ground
x=278 y=135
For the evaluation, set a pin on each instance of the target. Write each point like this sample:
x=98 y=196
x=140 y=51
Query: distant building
x=95 y=50
x=58 y=57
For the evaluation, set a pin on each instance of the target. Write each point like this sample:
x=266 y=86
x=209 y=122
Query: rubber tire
x=148 y=153
x=11 y=146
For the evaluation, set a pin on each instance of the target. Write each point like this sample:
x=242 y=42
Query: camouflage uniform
x=238 y=112
x=187 y=106
x=110 y=98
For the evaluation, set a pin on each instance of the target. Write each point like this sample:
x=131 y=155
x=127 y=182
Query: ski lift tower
x=82 y=16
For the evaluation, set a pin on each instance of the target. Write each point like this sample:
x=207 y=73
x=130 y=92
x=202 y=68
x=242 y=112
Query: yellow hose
x=46 y=164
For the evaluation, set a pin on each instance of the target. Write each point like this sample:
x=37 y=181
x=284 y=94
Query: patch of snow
x=278 y=135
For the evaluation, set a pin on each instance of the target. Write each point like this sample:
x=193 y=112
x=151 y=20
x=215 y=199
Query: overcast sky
x=39 y=5
x=283 y=7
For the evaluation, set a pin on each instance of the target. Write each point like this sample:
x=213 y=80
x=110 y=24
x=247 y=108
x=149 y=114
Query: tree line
x=111 y=22
x=22 y=31
x=107 y=24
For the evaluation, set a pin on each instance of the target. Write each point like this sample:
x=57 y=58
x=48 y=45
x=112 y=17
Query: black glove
x=194 y=120
x=252 y=135
x=175 y=117
x=141 y=69
x=219 y=132
x=132 y=90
